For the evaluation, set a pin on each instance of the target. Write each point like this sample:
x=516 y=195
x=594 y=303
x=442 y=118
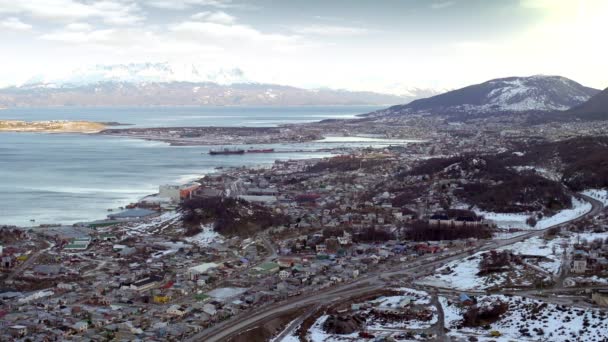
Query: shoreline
x=140 y=198
x=51 y=126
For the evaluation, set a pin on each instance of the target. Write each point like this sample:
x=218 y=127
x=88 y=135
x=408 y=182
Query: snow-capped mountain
x=111 y=93
x=500 y=96
x=141 y=73
x=166 y=84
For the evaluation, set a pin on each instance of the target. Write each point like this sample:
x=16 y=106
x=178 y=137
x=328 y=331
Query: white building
x=175 y=310
x=579 y=265
x=81 y=326
x=195 y=271
x=169 y=191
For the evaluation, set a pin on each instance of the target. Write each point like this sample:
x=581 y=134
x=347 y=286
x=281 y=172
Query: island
x=54 y=126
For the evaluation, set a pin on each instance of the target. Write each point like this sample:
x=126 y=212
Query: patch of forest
x=230 y=216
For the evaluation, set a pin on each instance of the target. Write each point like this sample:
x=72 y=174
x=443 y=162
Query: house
x=66 y=286
x=177 y=193
x=209 y=309
x=175 y=310
x=320 y=248
x=465 y=300
x=18 y=331
x=600 y=297
x=161 y=299
x=47 y=270
x=579 y=265
x=284 y=274
x=132 y=214
x=7 y=261
x=267 y=267
x=196 y=271
x=80 y=326
x=78 y=245
x=345 y=239
x=146 y=283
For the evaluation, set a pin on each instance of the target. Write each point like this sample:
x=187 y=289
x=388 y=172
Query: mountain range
x=164 y=84
x=533 y=94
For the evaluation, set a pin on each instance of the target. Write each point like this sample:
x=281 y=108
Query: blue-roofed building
x=132 y=214
x=465 y=299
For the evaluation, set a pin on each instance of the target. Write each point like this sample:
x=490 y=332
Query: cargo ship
x=267 y=150
x=226 y=151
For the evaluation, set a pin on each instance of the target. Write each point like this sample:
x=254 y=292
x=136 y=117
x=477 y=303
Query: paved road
x=370 y=282
x=30 y=260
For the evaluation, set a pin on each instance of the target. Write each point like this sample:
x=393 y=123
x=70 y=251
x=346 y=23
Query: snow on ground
x=420 y=300
x=145 y=227
x=417 y=297
x=598 y=194
x=505 y=220
x=464 y=272
x=464 y=276
x=527 y=320
x=551 y=249
x=206 y=237
x=552 y=175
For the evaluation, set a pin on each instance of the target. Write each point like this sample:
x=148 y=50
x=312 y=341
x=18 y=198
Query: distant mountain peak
x=143 y=73
x=537 y=93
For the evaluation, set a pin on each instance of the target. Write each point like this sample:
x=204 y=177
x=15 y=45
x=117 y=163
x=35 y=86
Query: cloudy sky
x=380 y=45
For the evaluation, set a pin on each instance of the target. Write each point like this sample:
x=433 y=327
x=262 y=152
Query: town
x=389 y=243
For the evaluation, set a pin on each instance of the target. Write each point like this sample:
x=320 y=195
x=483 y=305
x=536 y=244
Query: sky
x=378 y=45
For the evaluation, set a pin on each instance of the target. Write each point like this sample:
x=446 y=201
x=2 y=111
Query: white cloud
x=16 y=24
x=218 y=17
x=108 y=36
x=109 y=11
x=442 y=5
x=540 y=3
x=79 y=27
x=226 y=33
x=186 y=4
x=330 y=30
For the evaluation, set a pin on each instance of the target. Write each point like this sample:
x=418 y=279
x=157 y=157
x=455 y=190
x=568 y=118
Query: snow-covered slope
x=506 y=95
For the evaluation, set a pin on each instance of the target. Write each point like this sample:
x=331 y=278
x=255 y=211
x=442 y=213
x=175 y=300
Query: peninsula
x=51 y=126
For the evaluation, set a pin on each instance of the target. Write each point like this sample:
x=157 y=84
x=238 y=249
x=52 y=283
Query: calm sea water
x=67 y=178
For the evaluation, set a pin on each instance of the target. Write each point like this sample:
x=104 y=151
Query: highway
x=367 y=283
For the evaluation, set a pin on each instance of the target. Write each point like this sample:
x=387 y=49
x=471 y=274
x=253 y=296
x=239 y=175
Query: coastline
x=51 y=126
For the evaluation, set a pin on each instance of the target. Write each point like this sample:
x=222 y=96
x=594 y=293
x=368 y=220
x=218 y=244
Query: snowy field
x=464 y=276
x=464 y=272
x=415 y=299
x=505 y=220
x=531 y=320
